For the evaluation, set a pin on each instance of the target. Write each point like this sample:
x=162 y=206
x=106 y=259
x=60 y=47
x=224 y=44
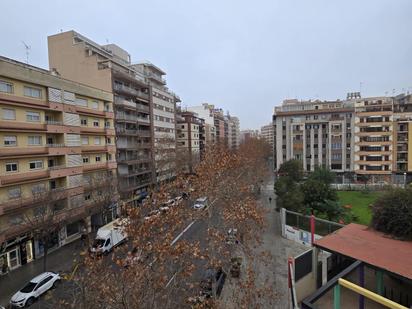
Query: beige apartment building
x=370 y=137
x=374 y=141
x=190 y=137
x=402 y=137
x=57 y=160
x=109 y=67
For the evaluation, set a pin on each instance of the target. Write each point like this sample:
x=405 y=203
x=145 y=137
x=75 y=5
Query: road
x=274 y=272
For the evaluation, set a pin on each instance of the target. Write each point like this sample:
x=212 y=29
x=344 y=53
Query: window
x=98 y=159
x=33 y=165
x=97 y=140
x=108 y=140
x=87 y=196
x=72 y=229
x=34 y=140
x=12 y=167
x=85 y=159
x=32 y=92
x=58 y=206
x=95 y=122
x=95 y=105
x=9 y=114
x=83 y=121
x=16 y=219
x=10 y=140
x=85 y=140
x=81 y=102
x=6 y=87
x=41 y=187
x=107 y=124
x=14 y=192
x=33 y=116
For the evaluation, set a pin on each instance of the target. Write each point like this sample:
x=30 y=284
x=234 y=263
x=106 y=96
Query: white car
x=201 y=203
x=36 y=287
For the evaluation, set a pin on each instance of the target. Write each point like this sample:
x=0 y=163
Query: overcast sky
x=242 y=56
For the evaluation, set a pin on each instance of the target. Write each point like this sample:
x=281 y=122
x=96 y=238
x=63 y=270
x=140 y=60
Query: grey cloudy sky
x=243 y=56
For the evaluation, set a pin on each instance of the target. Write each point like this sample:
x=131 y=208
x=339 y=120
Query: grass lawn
x=359 y=202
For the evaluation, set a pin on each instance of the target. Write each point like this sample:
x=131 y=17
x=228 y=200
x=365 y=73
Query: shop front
x=15 y=253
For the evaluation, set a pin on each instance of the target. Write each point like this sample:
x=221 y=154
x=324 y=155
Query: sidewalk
x=270 y=273
x=60 y=260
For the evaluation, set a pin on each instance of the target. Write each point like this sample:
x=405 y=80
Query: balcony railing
x=54 y=122
x=55 y=145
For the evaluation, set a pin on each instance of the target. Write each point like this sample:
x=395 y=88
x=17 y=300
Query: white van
x=109 y=236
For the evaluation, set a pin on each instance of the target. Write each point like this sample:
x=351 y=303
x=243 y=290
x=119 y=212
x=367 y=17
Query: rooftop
x=371 y=247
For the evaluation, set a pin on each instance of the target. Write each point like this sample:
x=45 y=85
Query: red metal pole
x=312 y=228
x=290 y=262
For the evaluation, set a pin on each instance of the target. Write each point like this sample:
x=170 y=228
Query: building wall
x=64 y=51
x=43 y=137
x=317 y=133
x=374 y=136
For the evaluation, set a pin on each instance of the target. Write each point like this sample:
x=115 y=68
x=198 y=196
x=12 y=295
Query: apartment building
x=221 y=126
x=109 y=67
x=204 y=112
x=267 y=133
x=190 y=137
x=402 y=137
x=248 y=133
x=233 y=138
x=374 y=133
x=164 y=118
x=319 y=133
x=57 y=160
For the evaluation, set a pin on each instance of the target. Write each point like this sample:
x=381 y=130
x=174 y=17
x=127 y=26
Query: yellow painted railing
x=368 y=294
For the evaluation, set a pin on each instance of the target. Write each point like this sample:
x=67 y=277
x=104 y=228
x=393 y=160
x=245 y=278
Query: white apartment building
x=267 y=133
x=319 y=133
x=164 y=118
x=205 y=111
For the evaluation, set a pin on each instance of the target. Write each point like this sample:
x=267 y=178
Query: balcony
x=144 y=133
x=63 y=170
x=54 y=195
x=134 y=159
x=23 y=151
x=23 y=177
x=156 y=78
x=99 y=166
x=131 y=91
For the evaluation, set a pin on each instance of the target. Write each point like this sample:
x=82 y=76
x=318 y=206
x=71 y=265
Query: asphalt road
x=275 y=272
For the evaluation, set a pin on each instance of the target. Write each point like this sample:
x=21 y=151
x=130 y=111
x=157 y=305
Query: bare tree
x=160 y=267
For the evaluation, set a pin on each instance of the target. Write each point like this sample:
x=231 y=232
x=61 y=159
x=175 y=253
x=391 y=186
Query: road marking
x=171 y=279
x=181 y=234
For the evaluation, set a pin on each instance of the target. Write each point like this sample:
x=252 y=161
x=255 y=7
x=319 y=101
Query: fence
x=297 y=227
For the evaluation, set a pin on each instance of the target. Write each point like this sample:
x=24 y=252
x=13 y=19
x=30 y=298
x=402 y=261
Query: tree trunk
x=46 y=249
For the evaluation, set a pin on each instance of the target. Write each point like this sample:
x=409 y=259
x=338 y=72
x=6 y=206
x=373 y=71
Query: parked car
x=209 y=277
x=152 y=214
x=201 y=203
x=32 y=290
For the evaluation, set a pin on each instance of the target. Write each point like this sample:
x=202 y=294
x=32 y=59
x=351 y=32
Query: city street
x=273 y=272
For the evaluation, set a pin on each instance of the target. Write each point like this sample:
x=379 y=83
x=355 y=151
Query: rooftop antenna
x=360 y=87
x=27 y=47
x=107 y=41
